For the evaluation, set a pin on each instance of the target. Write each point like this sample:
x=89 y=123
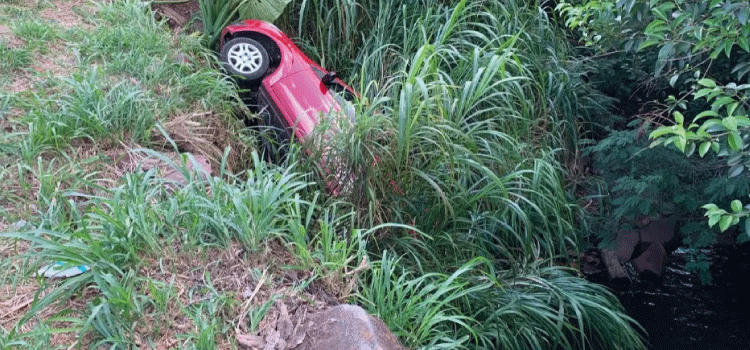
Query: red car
x=293 y=91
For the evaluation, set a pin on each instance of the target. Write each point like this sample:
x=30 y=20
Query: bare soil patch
x=64 y=13
x=177 y=14
x=58 y=61
x=8 y=38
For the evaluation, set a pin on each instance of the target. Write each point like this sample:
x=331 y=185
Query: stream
x=682 y=313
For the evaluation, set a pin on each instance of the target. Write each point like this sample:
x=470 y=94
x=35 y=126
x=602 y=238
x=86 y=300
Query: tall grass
x=479 y=307
x=462 y=150
x=482 y=104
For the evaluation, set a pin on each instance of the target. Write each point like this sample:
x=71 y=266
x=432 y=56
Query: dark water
x=683 y=314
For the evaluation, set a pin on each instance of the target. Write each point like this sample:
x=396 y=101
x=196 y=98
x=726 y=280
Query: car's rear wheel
x=245 y=57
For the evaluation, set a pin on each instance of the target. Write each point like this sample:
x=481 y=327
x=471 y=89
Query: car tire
x=245 y=57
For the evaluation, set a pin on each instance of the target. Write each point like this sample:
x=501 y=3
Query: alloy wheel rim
x=245 y=58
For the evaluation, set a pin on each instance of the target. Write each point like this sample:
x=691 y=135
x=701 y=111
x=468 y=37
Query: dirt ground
x=178 y=14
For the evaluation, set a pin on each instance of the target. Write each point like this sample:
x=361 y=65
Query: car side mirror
x=329 y=78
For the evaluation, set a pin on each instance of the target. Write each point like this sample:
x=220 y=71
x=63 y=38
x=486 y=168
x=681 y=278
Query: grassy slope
x=464 y=156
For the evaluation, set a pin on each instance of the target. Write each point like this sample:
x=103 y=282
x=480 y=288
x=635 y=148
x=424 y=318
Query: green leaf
x=735 y=141
x=648 y=43
x=734 y=160
x=680 y=142
x=665 y=53
x=721 y=101
x=679 y=118
x=730 y=123
x=742 y=16
x=702 y=92
x=703 y=149
x=736 y=170
x=736 y=206
x=706 y=114
x=713 y=125
x=713 y=219
x=661 y=131
x=710 y=207
x=732 y=107
x=707 y=82
x=690 y=149
x=715 y=146
x=268 y=10
x=725 y=222
x=728 y=47
x=656 y=142
x=715 y=53
x=742 y=41
x=673 y=80
x=747 y=226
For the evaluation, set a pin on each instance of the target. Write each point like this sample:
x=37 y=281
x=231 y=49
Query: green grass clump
x=129 y=40
x=112 y=232
x=252 y=211
x=13 y=58
x=94 y=109
x=478 y=307
x=37 y=34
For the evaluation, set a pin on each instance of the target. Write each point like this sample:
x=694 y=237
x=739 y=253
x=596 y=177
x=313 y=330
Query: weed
x=94 y=110
x=217 y=14
x=39 y=35
x=252 y=211
x=421 y=309
x=129 y=40
x=12 y=59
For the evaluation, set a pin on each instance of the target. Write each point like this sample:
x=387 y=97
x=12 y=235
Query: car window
x=347 y=107
x=317 y=71
x=340 y=94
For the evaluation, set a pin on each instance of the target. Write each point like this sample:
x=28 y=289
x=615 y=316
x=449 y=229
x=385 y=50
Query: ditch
x=681 y=313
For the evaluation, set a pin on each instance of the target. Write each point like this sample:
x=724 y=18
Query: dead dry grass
x=16 y=300
x=58 y=61
x=204 y=133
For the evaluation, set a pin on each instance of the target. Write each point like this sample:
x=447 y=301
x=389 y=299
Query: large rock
x=347 y=327
x=661 y=231
x=625 y=243
x=651 y=262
